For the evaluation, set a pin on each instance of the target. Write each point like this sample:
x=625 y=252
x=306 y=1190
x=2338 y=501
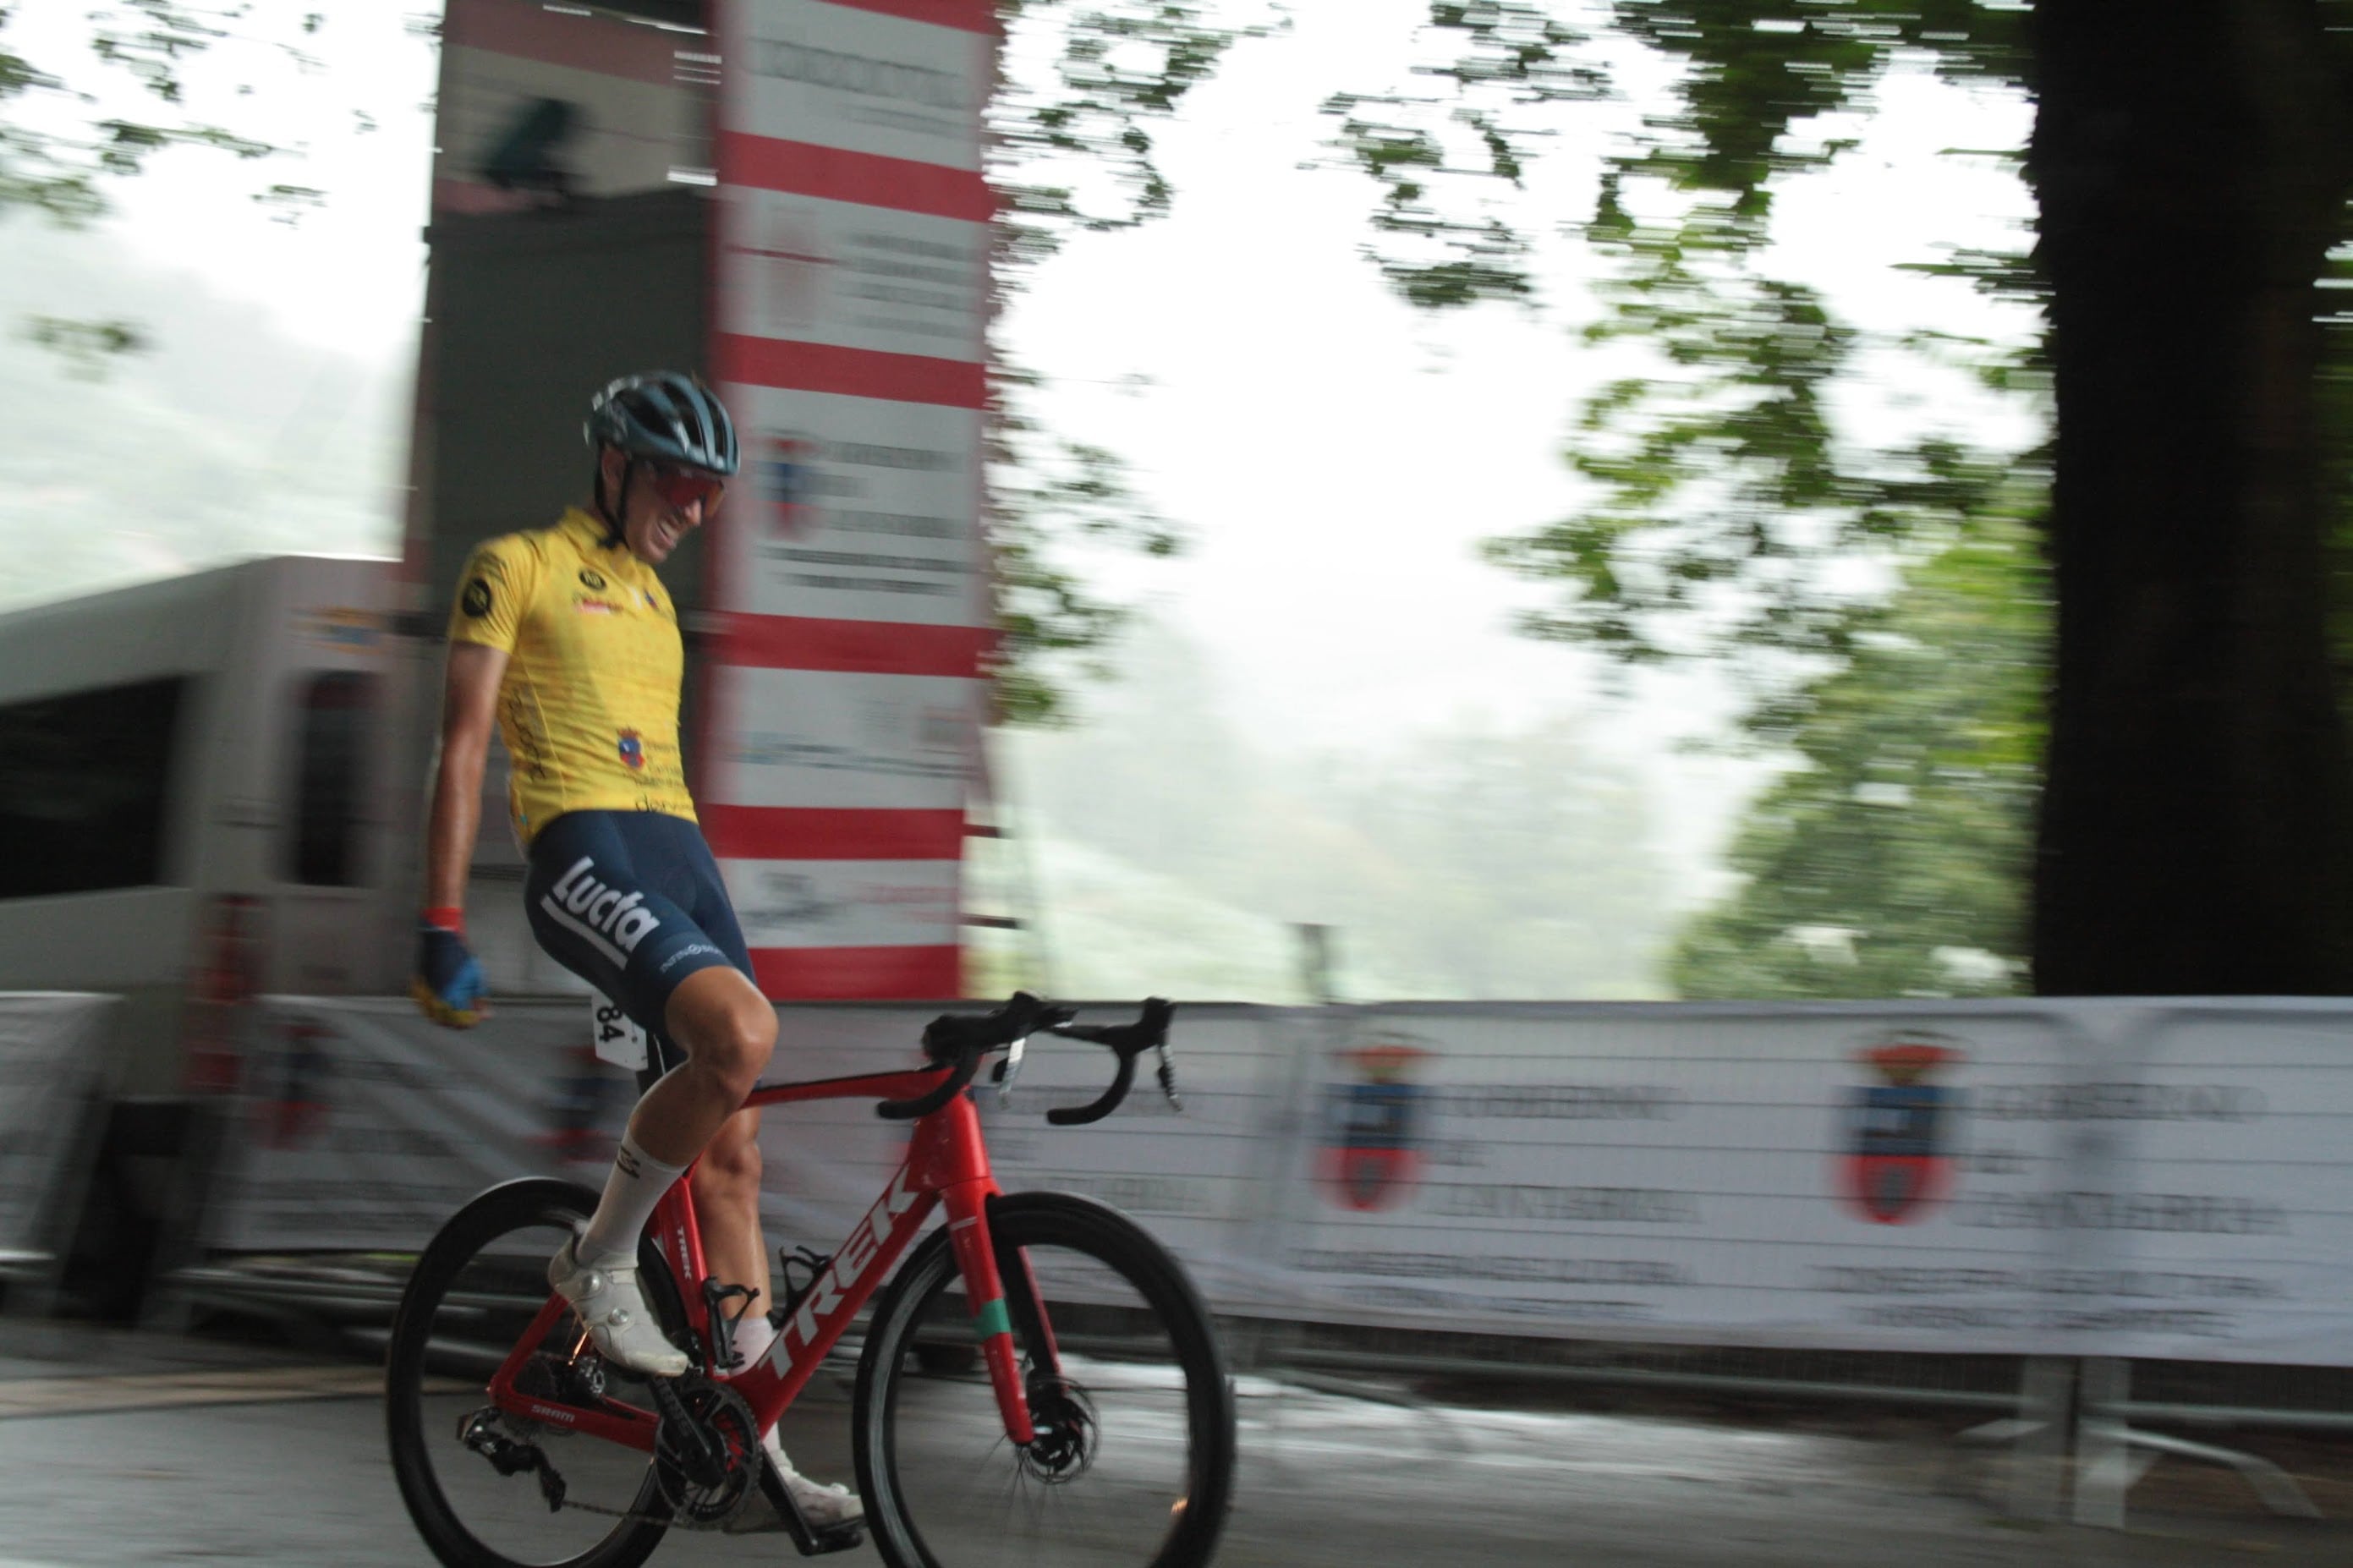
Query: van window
x=337 y=709
x=85 y=784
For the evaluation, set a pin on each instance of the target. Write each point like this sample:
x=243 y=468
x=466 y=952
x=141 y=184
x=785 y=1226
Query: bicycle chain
x=632 y=1514
x=674 y=1520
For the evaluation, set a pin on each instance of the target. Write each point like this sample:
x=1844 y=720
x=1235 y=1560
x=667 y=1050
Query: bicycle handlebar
x=959 y=1041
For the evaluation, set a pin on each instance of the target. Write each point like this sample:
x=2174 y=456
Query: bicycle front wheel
x=467 y=1470
x=1133 y=1463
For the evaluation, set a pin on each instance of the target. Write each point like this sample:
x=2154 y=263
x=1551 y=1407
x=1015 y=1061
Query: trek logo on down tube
x=856 y=1256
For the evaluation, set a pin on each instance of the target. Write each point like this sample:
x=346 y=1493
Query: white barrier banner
x=838 y=905
x=1198 y=1180
x=366 y=1127
x=51 y=1046
x=369 y=1127
x=825 y=1162
x=2116 y=1179
x=2217 y=1189
x=1798 y=1176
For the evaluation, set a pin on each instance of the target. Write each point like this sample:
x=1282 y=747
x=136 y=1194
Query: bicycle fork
x=992 y=1321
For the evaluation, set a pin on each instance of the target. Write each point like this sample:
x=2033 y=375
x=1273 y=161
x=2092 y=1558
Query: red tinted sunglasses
x=681 y=488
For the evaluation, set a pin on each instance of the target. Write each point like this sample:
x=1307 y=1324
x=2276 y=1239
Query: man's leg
x=726 y=1186
x=727 y=1030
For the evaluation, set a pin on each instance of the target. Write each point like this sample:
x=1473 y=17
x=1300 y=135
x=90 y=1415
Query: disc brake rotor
x=1064 y=1419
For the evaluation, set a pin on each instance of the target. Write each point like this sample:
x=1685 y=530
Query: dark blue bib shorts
x=631 y=901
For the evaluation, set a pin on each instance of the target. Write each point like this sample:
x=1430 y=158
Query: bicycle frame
x=947 y=1163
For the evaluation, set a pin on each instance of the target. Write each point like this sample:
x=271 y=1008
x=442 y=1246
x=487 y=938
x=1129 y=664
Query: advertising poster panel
x=851 y=303
x=367 y=1127
x=1801 y=1176
x=2105 y=1179
x=1200 y=1179
x=2226 y=1210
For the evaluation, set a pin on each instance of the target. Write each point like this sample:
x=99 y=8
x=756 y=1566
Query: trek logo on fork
x=860 y=1250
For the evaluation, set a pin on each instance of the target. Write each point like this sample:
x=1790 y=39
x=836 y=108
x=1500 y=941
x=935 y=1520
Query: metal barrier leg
x=2037 y=1437
x=2105 y=1466
x=2111 y=1455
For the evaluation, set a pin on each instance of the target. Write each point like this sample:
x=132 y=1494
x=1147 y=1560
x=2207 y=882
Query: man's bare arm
x=470 y=697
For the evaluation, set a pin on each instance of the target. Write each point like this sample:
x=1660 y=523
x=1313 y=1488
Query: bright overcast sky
x=349 y=274
x=1335 y=455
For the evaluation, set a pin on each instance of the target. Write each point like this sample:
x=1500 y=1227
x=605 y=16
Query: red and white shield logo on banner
x=1371 y=1151
x=1896 y=1163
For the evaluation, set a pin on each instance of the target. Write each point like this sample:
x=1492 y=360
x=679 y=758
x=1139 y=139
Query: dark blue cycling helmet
x=668 y=417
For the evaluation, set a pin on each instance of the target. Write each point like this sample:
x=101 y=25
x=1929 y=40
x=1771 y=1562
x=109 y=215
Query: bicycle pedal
x=840 y=1539
x=807 y=1539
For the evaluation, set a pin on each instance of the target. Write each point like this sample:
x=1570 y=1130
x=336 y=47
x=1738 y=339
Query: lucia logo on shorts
x=580 y=902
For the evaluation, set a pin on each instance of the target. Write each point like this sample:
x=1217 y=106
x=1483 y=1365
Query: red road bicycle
x=1095 y=1425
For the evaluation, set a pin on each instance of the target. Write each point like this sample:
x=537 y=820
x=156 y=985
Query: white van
x=194 y=789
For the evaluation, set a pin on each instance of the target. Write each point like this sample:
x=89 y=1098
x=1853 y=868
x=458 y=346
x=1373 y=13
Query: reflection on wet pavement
x=1331 y=1475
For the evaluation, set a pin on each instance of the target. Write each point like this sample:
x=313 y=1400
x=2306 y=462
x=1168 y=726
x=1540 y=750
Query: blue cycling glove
x=448 y=981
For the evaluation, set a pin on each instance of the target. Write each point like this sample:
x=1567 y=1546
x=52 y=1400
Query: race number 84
x=619 y=1039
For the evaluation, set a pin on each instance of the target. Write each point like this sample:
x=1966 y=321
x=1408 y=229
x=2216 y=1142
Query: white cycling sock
x=636 y=1185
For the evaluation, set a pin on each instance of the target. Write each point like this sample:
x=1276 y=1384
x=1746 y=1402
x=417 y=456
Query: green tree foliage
x=60 y=170
x=59 y=149
x=1049 y=492
x=1073 y=152
x=2192 y=167
x=1852 y=888
x=1892 y=859
x=1722 y=483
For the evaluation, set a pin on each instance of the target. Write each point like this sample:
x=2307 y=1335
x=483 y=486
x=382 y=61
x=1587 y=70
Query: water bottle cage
x=721 y=1350
x=812 y=1262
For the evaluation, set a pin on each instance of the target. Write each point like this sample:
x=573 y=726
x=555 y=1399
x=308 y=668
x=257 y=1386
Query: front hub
x=1064 y=1419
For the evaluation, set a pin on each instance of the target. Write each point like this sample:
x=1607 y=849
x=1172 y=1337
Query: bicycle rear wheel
x=471 y=1297
x=1133 y=1467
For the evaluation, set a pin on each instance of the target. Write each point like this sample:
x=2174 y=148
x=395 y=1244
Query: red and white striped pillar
x=851 y=294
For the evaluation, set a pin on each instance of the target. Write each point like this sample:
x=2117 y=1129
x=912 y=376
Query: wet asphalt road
x=143 y=1449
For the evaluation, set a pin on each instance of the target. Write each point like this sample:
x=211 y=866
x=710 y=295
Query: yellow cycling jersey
x=588 y=705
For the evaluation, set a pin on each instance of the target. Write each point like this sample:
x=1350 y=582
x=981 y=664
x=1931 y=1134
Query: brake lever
x=1168 y=1076
x=1009 y=1070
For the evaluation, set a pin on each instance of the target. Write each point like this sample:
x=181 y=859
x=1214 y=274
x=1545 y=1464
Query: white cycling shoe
x=825 y=1507
x=613 y=1309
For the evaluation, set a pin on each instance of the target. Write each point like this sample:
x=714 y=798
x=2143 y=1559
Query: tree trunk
x=2197 y=833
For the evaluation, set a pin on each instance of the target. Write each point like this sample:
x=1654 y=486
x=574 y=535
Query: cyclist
x=565 y=639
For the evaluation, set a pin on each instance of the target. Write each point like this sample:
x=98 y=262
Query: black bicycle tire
x=509 y=1206
x=1060 y=1219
